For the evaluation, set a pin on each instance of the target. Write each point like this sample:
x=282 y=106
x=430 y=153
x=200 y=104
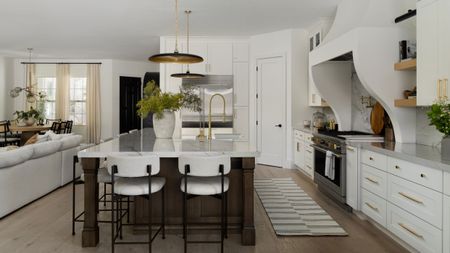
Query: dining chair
x=68 y=127
x=6 y=136
x=205 y=176
x=56 y=127
x=136 y=178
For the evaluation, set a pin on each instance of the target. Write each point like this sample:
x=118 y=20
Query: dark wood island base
x=202 y=210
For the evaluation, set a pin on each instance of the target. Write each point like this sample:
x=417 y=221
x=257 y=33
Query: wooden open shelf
x=406 y=102
x=406 y=65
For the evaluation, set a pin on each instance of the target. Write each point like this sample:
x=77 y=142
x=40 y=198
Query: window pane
x=78 y=100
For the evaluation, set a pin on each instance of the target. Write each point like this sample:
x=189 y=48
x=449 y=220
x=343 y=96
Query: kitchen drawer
x=417 y=233
x=373 y=159
x=309 y=151
x=374 y=207
x=447 y=183
x=374 y=180
x=422 y=175
x=416 y=199
x=309 y=171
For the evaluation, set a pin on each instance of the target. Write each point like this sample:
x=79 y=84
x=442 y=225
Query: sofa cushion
x=45 y=148
x=16 y=156
x=70 y=141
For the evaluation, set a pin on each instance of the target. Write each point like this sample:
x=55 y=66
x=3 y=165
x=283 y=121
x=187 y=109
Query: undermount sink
x=227 y=136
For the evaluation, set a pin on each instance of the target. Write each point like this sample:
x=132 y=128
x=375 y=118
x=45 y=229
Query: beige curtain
x=62 y=91
x=93 y=104
x=30 y=82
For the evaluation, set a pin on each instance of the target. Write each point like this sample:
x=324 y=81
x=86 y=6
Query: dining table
x=203 y=211
x=28 y=131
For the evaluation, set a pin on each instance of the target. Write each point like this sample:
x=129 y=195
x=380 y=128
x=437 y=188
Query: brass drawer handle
x=410 y=197
x=350 y=149
x=372 y=180
x=309 y=151
x=410 y=230
x=309 y=167
x=371 y=207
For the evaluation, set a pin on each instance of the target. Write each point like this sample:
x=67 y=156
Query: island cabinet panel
x=204 y=210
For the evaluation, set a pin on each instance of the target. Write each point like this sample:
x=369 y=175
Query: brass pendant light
x=188 y=74
x=176 y=56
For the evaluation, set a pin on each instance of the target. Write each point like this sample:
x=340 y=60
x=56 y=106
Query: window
x=48 y=85
x=78 y=100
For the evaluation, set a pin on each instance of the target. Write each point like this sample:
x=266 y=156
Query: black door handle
x=279 y=125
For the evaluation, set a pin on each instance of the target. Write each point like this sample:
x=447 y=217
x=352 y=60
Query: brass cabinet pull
x=298 y=147
x=309 y=151
x=411 y=198
x=350 y=149
x=371 y=207
x=410 y=230
x=372 y=180
x=309 y=167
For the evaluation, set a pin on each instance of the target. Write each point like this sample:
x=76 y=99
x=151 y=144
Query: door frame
x=258 y=102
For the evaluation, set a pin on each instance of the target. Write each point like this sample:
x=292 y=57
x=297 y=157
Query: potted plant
x=28 y=117
x=163 y=105
x=439 y=116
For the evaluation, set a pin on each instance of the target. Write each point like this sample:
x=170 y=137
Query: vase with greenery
x=163 y=105
x=29 y=117
x=439 y=116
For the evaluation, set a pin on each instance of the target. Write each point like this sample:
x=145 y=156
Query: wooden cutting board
x=377 y=118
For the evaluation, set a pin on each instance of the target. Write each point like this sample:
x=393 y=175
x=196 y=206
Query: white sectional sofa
x=32 y=171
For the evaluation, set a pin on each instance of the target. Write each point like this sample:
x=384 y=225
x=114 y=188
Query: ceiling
x=130 y=29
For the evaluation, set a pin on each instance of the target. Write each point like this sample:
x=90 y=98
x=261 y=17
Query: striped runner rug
x=292 y=212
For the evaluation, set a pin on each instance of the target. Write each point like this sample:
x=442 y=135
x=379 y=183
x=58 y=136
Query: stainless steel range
x=330 y=162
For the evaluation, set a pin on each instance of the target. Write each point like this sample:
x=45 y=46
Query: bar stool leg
x=128 y=209
x=163 y=213
x=222 y=225
x=104 y=194
x=226 y=215
x=73 y=206
x=112 y=220
x=185 y=221
x=120 y=218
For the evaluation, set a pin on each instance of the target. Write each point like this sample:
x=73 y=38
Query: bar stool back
x=205 y=176
x=136 y=179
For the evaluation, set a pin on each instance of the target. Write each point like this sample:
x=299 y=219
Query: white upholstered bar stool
x=205 y=176
x=136 y=178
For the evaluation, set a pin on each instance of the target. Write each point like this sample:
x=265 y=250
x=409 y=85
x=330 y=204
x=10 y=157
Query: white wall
x=110 y=73
x=6 y=84
x=293 y=44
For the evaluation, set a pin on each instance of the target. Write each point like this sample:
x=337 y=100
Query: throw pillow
x=32 y=140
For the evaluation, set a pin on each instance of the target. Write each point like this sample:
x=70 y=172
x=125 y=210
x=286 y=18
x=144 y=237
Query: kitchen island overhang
x=205 y=210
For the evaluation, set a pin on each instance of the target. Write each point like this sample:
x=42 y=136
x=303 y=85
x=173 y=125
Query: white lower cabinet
x=352 y=177
x=424 y=203
x=304 y=153
x=414 y=231
x=374 y=207
x=408 y=200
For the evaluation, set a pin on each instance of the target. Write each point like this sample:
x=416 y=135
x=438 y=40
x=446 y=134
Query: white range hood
x=366 y=29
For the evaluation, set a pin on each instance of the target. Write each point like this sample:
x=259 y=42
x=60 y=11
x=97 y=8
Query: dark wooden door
x=130 y=94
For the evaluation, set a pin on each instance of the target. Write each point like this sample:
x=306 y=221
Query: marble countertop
x=420 y=154
x=145 y=142
x=303 y=129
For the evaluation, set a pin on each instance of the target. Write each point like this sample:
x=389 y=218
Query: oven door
x=337 y=185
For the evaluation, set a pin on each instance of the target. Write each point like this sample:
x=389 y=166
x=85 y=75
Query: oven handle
x=324 y=150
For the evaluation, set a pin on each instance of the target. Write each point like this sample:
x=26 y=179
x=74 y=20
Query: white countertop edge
x=93 y=154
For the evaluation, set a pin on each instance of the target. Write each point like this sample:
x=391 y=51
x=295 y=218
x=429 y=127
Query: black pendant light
x=187 y=74
x=176 y=56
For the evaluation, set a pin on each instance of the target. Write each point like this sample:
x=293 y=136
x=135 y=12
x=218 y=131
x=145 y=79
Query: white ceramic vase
x=29 y=121
x=165 y=126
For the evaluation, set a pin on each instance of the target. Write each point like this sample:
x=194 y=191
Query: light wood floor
x=45 y=226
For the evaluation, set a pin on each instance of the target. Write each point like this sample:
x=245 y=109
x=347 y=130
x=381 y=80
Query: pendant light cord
x=176 y=26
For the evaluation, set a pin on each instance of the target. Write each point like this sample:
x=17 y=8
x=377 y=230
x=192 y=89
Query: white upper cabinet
x=240 y=52
x=241 y=83
x=220 y=58
x=200 y=49
x=433 y=53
